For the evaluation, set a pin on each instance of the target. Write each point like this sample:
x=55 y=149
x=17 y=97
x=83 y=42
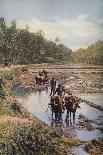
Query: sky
x=77 y=23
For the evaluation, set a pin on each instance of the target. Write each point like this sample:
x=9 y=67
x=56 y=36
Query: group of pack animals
x=42 y=77
x=60 y=98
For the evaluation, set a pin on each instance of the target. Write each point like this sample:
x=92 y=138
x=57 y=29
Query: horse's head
x=66 y=98
x=57 y=99
x=76 y=105
x=52 y=99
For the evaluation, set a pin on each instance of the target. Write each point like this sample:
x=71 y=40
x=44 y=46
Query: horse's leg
x=40 y=81
x=60 y=116
x=70 y=122
x=73 y=115
x=56 y=113
x=67 y=115
x=56 y=116
x=74 y=121
x=52 y=112
x=43 y=81
x=36 y=80
x=70 y=114
x=60 y=113
x=51 y=91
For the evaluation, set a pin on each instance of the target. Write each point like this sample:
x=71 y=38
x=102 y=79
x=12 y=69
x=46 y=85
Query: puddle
x=89 y=112
x=95 y=98
x=88 y=135
x=79 y=151
x=96 y=125
x=37 y=103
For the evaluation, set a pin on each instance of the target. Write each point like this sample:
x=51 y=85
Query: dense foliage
x=23 y=47
x=2 y=92
x=91 y=55
x=28 y=138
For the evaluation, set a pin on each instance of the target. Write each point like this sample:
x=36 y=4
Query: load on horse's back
x=71 y=104
x=56 y=107
x=59 y=101
x=45 y=74
x=41 y=77
x=68 y=105
x=60 y=90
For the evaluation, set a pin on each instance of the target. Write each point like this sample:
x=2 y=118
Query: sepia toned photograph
x=51 y=77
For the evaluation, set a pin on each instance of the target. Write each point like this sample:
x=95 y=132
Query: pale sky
x=77 y=23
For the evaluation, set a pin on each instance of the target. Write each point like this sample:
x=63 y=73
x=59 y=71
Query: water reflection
x=37 y=102
x=70 y=123
x=95 y=98
x=79 y=151
x=88 y=135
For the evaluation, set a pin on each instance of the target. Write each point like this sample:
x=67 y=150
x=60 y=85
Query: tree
x=2 y=36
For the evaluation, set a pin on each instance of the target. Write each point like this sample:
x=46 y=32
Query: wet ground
x=88 y=124
x=79 y=151
x=37 y=103
x=95 y=98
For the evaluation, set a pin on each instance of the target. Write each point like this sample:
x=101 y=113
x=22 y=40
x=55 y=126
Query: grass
x=28 y=138
x=71 y=142
x=20 y=132
x=95 y=147
x=1 y=65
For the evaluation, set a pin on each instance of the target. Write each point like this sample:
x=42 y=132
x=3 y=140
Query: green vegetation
x=20 y=132
x=91 y=55
x=94 y=147
x=2 y=92
x=27 y=138
x=23 y=47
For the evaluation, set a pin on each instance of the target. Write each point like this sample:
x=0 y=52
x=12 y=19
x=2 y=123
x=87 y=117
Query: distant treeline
x=91 y=55
x=24 y=47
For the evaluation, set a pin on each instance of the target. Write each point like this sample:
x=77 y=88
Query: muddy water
x=95 y=98
x=37 y=103
x=79 y=151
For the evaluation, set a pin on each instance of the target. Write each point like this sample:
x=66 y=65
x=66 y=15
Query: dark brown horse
x=38 y=79
x=42 y=77
x=56 y=107
x=71 y=105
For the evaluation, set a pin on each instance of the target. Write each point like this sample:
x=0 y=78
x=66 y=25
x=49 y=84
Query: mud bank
x=47 y=137
x=87 y=125
x=20 y=131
